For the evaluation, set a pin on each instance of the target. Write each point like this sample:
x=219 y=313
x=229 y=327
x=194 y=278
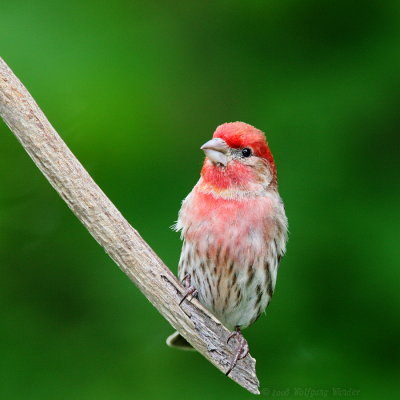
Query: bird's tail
x=179 y=342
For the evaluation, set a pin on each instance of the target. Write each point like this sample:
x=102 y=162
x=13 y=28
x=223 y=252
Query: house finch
x=234 y=231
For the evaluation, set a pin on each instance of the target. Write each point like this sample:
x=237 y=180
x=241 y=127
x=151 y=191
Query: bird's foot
x=241 y=351
x=190 y=290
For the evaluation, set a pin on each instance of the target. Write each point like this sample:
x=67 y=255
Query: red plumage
x=240 y=135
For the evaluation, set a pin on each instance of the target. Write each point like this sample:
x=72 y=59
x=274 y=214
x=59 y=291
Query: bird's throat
x=235 y=181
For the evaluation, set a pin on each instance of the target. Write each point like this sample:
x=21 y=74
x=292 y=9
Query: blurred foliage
x=134 y=88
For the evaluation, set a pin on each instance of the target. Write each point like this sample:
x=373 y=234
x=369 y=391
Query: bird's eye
x=246 y=152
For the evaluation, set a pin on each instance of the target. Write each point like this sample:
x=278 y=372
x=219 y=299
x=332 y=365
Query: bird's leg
x=190 y=290
x=241 y=351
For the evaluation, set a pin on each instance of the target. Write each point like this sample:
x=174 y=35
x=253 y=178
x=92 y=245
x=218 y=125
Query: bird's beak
x=216 y=150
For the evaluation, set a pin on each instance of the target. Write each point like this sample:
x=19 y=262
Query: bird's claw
x=190 y=290
x=241 y=351
x=232 y=335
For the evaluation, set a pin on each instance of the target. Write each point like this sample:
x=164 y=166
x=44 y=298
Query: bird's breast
x=225 y=228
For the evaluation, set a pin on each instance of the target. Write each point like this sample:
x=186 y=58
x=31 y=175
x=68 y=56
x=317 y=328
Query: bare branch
x=106 y=224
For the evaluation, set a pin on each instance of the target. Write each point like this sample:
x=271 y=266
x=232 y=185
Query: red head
x=239 y=135
x=238 y=155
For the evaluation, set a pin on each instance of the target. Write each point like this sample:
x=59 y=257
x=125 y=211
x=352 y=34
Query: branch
x=111 y=230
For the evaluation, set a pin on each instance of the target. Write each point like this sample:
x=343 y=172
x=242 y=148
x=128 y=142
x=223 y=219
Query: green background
x=135 y=88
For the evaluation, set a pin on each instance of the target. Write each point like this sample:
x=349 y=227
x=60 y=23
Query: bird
x=234 y=230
